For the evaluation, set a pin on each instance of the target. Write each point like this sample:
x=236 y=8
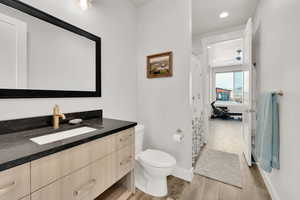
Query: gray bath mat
x=221 y=166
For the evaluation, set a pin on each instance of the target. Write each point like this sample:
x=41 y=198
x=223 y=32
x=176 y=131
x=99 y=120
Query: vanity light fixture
x=85 y=4
x=224 y=15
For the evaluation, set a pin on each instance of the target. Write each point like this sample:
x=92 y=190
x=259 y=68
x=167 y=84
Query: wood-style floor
x=225 y=136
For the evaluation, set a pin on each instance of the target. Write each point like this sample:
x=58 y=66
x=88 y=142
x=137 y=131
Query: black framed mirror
x=42 y=56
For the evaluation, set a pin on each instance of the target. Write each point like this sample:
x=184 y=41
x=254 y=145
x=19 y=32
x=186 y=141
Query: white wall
x=163 y=104
x=115 y=22
x=218 y=36
x=277 y=40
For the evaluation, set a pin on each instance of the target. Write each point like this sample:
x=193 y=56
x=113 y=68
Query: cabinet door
x=15 y=183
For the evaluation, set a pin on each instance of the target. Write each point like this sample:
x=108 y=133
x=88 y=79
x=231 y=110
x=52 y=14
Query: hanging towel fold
x=267 y=137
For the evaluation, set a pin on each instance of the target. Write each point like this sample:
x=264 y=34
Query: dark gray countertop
x=17 y=149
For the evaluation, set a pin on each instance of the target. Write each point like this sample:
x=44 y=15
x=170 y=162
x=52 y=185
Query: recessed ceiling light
x=85 y=4
x=224 y=15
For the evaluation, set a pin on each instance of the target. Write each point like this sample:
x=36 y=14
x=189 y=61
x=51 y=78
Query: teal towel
x=267 y=135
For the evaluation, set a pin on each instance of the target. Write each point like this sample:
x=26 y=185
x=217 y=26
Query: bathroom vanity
x=80 y=167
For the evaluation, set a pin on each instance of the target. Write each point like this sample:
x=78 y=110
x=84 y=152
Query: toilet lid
x=157 y=158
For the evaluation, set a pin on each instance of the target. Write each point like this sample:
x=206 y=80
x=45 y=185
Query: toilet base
x=154 y=186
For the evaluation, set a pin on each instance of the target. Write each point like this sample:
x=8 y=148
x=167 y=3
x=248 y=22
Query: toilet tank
x=139 y=138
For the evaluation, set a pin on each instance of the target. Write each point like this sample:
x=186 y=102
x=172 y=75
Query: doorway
x=229 y=103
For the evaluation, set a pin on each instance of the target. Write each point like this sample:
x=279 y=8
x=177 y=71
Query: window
x=230 y=87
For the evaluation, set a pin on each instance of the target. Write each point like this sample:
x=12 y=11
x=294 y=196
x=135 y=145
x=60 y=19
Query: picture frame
x=160 y=65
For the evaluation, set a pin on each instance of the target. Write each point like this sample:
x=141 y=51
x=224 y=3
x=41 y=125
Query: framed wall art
x=160 y=65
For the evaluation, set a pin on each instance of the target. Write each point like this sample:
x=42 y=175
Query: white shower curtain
x=196 y=101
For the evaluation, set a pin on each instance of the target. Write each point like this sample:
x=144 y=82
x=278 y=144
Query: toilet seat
x=157 y=158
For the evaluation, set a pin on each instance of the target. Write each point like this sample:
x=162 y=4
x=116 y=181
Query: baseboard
x=269 y=185
x=182 y=173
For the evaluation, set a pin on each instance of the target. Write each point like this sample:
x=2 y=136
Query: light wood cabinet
x=75 y=158
x=53 y=167
x=83 y=172
x=45 y=171
x=124 y=138
x=86 y=183
x=26 y=198
x=79 y=173
x=50 y=192
x=103 y=147
x=15 y=183
x=104 y=172
x=124 y=161
x=78 y=185
x=48 y=169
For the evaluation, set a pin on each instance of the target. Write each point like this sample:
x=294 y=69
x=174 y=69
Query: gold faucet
x=56 y=116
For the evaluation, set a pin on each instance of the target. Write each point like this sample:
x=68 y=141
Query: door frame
x=208 y=70
x=207 y=41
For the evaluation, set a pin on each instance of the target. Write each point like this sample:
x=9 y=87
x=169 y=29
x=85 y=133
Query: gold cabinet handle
x=7 y=187
x=126 y=161
x=126 y=138
x=89 y=185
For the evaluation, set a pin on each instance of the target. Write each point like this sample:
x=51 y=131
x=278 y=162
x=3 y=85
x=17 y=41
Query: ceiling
x=206 y=14
x=139 y=2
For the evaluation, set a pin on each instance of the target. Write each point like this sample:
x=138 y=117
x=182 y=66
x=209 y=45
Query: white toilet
x=152 y=167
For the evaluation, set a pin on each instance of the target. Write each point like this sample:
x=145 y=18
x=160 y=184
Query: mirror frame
x=28 y=93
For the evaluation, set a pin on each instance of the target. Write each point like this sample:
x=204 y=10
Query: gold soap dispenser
x=56 y=116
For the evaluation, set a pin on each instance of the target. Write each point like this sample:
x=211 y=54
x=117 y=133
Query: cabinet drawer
x=125 y=161
x=103 y=147
x=26 y=198
x=84 y=184
x=15 y=183
x=125 y=138
x=75 y=158
x=50 y=192
x=76 y=186
x=45 y=171
x=104 y=172
x=49 y=169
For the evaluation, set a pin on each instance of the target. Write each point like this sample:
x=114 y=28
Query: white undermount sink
x=46 y=139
